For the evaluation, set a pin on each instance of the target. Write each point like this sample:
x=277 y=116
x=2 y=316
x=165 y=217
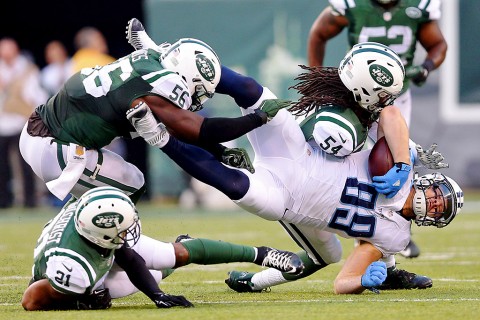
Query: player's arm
x=431 y=38
x=392 y=125
x=361 y=270
x=327 y=25
x=40 y=295
x=193 y=128
x=134 y=266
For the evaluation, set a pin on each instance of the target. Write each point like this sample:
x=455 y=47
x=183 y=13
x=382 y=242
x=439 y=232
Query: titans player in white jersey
x=315 y=195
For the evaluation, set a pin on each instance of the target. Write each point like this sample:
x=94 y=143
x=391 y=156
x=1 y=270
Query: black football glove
x=237 y=158
x=163 y=300
x=98 y=299
x=419 y=74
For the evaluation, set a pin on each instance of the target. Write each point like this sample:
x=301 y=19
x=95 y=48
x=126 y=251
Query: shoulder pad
x=67 y=275
x=338 y=131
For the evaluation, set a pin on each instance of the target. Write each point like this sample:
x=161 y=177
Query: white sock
x=267 y=278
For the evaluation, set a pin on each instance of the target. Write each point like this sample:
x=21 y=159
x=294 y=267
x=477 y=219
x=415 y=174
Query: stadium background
x=267 y=40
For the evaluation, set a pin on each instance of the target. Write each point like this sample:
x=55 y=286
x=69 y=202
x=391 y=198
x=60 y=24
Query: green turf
x=450 y=256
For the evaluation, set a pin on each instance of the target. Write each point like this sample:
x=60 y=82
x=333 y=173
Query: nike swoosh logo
x=68 y=269
x=397 y=183
x=341 y=138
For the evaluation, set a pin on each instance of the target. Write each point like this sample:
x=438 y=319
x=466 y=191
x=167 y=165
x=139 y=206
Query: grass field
x=450 y=256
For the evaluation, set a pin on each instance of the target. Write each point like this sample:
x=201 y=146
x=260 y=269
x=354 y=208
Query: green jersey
x=396 y=27
x=70 y=263
x=90 y=108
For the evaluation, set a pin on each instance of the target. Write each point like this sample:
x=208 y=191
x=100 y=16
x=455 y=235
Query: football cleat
x=402 y=279
x=411 y=250
x=138 y=37
x=240 y=281
x=283 y=261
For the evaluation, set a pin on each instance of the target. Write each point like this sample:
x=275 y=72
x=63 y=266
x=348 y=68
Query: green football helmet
x=107 y=217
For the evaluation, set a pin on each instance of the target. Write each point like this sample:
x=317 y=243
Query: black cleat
x=402 y=279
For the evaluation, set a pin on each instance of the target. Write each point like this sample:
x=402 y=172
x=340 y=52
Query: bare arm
x=40 y=295
x=193 y=128
x=326 y=26
x=349 y=279
x=431 y=38
x=392 y=125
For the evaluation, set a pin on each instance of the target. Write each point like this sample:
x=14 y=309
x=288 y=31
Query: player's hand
x=390 y=183
x=375 y=274
x=163 y=300
x=272 y=106
x=147 y=127
x=237 y=158
x=98 y=299
x=431 y=158
x=418 y=74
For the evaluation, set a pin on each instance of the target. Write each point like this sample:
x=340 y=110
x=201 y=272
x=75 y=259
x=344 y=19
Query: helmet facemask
x=442 y=190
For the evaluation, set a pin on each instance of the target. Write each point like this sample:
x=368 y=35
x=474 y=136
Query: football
x=380 y=159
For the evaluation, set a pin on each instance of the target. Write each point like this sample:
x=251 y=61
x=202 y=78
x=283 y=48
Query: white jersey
x=302 y=185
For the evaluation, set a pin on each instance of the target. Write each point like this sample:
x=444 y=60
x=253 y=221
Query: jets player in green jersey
x=93 y=251
x=64 y=138
x=398 y=24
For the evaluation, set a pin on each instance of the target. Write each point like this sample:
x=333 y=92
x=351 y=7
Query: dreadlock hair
x=322 y=87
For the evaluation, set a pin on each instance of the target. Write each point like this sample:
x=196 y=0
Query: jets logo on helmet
x=205 y=67
x=107 y=220
x=381 y=75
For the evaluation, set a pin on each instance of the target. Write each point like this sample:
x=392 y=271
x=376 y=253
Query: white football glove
x=147 y=127
x=430 y=158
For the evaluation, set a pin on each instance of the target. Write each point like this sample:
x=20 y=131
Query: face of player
x=437 y=204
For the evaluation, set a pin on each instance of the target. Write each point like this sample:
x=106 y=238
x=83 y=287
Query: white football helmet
x=107 y=217
x=198 y=65
x=450 y=192
x=374 y=73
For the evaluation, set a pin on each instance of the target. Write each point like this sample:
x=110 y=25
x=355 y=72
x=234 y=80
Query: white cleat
x=138 y=37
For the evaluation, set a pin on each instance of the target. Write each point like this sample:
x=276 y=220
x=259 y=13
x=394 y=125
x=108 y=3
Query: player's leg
x=321 y=249
x=260 y=193
x=49 y=158
x=105 y=167
x=206 y=251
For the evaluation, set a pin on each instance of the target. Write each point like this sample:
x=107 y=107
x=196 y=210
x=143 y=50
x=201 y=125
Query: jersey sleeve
x=170 y=86
x=433 y=8
x=339 y=6
x=67 y=275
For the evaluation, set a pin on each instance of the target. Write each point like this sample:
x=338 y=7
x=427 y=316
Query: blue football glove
x=393 y=180
x=375 y=274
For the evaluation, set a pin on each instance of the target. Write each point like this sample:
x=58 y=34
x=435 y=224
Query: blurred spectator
x=58 y=69
x=92 y=49
x=20 y=93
